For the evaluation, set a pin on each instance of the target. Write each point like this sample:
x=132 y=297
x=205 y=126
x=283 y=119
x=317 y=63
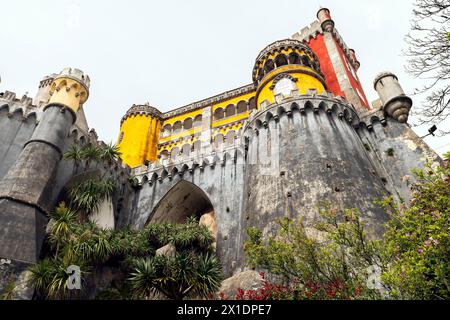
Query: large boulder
x=168 y=250
x=209 y=221
x=245 y=280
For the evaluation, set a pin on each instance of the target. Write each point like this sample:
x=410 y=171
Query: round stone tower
x=25 y=189
x=395 y=103
x=302 y=149
x=139 y=135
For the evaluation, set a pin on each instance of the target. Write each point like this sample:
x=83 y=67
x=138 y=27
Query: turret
x=43 y=95
x=285 y=66
x=25 y=189
x=325 y=20
x=70 y=89
x=139 y=135
x=395 y=103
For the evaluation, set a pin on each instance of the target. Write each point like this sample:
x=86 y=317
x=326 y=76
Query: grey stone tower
x=24 y=190
x=303 y=149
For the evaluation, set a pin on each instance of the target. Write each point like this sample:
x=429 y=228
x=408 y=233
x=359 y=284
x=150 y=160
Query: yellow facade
x=306 y=79
x=68 y=92
x=221 y=126
x=141 y=139
x=138 y=139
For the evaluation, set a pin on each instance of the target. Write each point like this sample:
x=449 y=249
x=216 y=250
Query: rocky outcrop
x=245 y=280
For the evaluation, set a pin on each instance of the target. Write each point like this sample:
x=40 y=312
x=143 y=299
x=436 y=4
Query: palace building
x=301 y=132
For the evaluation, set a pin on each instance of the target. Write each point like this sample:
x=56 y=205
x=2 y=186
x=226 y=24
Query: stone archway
x=184 y=200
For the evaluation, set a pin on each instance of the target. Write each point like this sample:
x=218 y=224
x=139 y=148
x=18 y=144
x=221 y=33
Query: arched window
x=269 y=66
x=230 y=138
x=186 y=150
x=197 y=146
x=305 y=60
x=230 y=110
x=177 y=127
x=218 y=141
x=198 y=121
x=166 y=130
x=174 y=153
x=294 y=58
x=218 y=114
x=251 y=103
x=281 y=60
x=241 y=107
x=187 y=124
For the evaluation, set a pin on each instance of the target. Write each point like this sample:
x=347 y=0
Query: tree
x=417 y=240
x=412 y=260
x=332 y=265
x=429 y=57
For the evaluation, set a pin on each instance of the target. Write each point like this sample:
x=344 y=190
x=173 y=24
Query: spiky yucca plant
x=183 y=275
x=110 y=153
x=86 y=196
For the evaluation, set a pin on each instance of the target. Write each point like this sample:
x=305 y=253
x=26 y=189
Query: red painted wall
x=353 y=82
x=318 y=46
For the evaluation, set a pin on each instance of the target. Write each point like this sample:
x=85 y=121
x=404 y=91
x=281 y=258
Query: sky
x=171 y=53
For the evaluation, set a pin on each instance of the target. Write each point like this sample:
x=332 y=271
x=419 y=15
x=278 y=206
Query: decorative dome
x=284 y=52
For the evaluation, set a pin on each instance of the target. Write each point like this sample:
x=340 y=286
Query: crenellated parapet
x=312 y=100
x=142 y=109
x=315 y=28
x=158 y=172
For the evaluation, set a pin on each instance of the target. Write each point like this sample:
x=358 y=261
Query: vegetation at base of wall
x=184 y=274
x=73 y=240
x=411 y=261
x=87 y=246
x=8 y=291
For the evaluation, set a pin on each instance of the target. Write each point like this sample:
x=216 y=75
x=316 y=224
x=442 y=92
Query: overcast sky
x=172 y=53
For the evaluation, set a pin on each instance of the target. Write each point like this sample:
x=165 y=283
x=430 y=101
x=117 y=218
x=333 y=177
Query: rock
x=245 y=280
x=209 y=221
x=168 y=250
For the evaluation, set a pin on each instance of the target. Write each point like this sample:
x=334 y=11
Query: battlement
x=142 y=109
x=161 y=170
x=314 y=29
x=75 y=74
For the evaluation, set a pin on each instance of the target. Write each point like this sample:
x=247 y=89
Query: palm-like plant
x=182 y=275
x=49 y=277
x=86 y=196
x=110 y=153
x=61 y=223
x=91 y=152
x=75 y=153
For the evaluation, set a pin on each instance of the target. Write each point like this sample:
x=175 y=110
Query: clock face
x=284 y=87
